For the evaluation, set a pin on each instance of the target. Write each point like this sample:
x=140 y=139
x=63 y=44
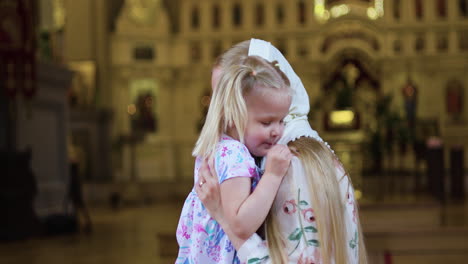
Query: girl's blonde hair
x=328 y=203
x=228 y=108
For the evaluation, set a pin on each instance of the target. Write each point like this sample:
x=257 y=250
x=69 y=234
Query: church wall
x=186 y=58
x=79 y=28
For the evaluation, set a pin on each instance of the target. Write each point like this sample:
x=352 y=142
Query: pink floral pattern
x=289 y=207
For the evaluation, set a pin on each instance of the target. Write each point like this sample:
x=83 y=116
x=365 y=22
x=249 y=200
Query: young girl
x=245 y=118
x=314 y=218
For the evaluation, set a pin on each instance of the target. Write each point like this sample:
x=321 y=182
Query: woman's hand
x=208 y=191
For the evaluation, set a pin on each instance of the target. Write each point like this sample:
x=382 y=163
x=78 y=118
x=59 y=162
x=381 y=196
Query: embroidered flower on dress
x=289 y=207
x=309 y=215
x=308 y=257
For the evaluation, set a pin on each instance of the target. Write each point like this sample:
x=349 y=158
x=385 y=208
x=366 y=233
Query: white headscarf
x=297 y=123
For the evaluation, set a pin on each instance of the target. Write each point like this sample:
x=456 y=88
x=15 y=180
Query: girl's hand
x=278 y=160
x=207 y=189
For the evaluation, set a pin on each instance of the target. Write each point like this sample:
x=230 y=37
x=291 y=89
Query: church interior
x=101 y=103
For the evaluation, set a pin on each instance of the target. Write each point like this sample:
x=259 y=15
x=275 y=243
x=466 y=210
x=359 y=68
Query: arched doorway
x=351 y=88
x=352 y=81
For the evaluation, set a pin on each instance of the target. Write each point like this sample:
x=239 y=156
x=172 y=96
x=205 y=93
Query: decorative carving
x=142 y=12
x=17 y=47
x=346 y=35
x=454 y=99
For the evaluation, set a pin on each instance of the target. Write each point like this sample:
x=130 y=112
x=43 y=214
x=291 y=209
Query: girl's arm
x=244 y=211
x=208 y=191
x=251 y=249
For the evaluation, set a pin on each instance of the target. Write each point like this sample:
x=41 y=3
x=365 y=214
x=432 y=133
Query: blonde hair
x=328 y=204
x=234 y=56
x=228 y=108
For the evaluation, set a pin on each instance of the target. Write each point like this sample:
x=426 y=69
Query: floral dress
x=296 y=221
x=201 y=239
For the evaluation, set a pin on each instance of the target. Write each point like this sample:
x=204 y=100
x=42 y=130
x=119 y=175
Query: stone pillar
x=452 y=10
x=435 y=169
x=429 y=10
x=185 y=16
x=226 y=16
x=407 y=11
x=249 y=14
x=102 y=54
x=431 y=42
x=457 y=170
x=291 y=14
x=291 y=47
x=270 y=15
x=407 y=43
x=453 y=42
x=388 y=12
x=42 y=126
x=204 y=8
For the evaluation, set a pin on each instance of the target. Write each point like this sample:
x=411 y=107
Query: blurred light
x=345 y=157
x=319 y=10
x=131 y=109
x=379 y=7
x=59 y=14
x=339 y=10
x=357 y=194
x=323 y=14
x=342 y=117
x=372 y=13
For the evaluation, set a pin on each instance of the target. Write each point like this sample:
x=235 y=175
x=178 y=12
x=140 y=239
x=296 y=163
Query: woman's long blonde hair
x=228 y=108
x=328 y=203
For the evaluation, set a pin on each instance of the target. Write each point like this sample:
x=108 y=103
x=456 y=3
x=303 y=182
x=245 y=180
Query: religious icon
x=410 y=97
x=454 y=98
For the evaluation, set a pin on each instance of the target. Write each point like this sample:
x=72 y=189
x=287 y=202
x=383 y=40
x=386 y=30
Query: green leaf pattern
x=256 y=260
x=354 y=242
x=299 y=232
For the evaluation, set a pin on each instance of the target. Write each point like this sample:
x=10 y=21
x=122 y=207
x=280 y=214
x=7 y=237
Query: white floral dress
x=201 y=239
x=297 y=224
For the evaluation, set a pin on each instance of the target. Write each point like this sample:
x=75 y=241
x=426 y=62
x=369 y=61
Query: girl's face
x=215 y=76
x=265 y=126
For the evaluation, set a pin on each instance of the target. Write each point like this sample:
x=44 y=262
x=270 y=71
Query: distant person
x=75 y=191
